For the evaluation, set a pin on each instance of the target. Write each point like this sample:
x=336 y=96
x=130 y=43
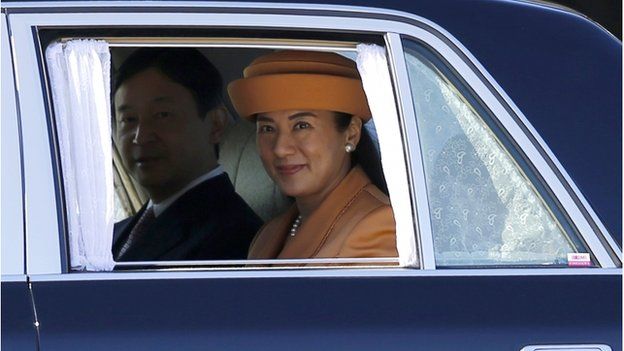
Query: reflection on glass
x=484 y=210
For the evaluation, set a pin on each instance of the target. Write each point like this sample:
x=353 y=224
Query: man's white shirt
x=163 y=205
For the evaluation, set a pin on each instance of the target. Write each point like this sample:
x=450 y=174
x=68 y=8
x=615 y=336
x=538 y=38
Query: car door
x=439 y=305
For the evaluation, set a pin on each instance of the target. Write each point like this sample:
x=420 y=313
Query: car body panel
x=18 y=329
x=415 y=312
x=502 y=49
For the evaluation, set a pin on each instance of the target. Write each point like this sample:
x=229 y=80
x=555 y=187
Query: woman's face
x=303 y=151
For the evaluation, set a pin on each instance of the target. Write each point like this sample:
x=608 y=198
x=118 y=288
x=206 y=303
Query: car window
x=237 y=154
x=485 y=208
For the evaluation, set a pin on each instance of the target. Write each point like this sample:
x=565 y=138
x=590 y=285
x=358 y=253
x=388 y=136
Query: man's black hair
x=185 y=66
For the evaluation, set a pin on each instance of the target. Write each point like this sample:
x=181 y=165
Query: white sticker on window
x=579 y=260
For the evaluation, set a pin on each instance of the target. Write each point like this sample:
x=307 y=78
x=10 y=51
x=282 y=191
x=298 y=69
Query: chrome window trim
x=575 y=197
x=418 y=188
x=27 y=21
x=14 y=278
x=56 y=160
x=516 y=132
x=41 y=217
x=261 y=43
x=303 y=273
x=397 y=22
x=505 y=123
x=281 y=262
x=13 y=234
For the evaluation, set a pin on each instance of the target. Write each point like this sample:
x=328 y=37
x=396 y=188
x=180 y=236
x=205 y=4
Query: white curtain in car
x=373 y=68
x=80 y=79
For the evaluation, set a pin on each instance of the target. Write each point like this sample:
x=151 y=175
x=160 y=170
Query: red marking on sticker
x=579 y=260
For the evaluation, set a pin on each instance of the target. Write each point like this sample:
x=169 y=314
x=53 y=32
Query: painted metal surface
x=324 y=273
x=368 y=313
x=576 y=347
x=18 y=331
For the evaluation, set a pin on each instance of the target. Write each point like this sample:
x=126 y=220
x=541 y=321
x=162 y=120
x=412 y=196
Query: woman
x=309 y=108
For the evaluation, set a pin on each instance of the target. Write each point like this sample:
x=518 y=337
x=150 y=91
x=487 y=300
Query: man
x=169 y=118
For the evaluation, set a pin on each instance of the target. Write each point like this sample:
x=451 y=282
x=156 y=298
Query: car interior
x=237 y=151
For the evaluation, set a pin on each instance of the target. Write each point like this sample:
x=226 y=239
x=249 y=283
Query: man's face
x=163 y=141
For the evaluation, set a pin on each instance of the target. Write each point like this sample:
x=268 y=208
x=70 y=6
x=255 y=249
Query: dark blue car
x=500 y=145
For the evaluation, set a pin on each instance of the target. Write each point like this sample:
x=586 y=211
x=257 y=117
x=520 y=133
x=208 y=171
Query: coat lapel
x=314 y=231
x=176 y=224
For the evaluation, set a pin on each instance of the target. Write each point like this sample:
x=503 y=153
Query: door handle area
x=571 y=347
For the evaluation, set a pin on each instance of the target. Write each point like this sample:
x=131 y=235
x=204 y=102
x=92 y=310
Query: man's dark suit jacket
x=208 y=222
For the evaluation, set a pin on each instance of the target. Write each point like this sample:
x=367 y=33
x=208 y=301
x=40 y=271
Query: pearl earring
x=349 y=148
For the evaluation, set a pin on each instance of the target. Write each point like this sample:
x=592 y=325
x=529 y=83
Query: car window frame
x=515 y=153
x=392 y=24
x=13 y=235
x=517 y=126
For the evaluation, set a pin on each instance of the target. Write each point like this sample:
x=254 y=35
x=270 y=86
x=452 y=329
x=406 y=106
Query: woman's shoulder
x=373 y=206
x=367 y=200
x=373 y=234
x=367 y=226
x=377 y=195
x=368 y=191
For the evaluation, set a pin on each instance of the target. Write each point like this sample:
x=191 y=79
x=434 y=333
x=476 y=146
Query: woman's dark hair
x=366 y=154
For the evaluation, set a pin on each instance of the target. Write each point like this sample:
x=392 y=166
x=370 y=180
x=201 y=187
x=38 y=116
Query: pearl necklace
x=295 y=226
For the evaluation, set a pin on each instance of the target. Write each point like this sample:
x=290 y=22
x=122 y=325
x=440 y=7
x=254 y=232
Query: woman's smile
x=288 y=170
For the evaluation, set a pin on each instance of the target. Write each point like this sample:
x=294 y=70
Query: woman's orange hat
x=300 y=80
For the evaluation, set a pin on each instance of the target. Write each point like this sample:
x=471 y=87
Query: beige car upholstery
x=238 y=156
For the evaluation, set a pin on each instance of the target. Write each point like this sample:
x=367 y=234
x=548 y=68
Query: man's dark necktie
x=138 y=232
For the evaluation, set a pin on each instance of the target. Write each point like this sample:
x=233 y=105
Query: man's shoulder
x=215 y=198
x=123 y=223
x=217 y=186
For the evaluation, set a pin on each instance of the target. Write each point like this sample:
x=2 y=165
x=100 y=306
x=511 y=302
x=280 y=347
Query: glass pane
x=484 y=209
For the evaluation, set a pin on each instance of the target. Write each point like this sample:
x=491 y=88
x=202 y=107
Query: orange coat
x=355 y=220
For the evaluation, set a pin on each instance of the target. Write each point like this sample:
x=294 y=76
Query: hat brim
x=279 y=92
